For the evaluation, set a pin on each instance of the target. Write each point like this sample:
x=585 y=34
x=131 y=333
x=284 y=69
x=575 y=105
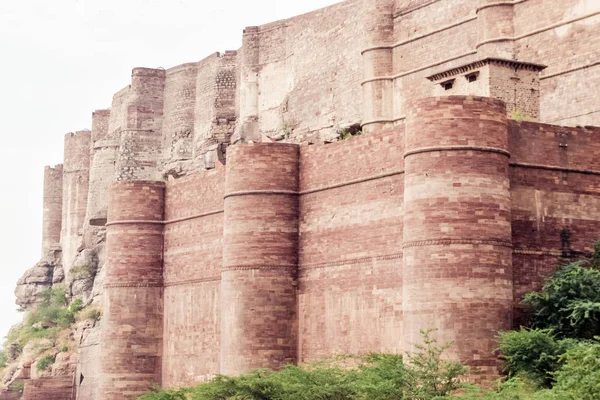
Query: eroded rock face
x=36 y=280
x=13 y=351
x=82 y=274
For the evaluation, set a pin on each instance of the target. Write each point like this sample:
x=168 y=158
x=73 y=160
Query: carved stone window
x=447 y=85
x=472 y=77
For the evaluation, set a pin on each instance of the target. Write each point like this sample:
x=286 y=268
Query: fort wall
x=193 y=240
x=457 y=214
x=346 y=247
x=564 y=38
x=434 y=36
x=555 y=183
x=350 y=245
x=338 y=240
x=288 y=57
x=45 y=388
x=216 y=104
x=52 y=215
x=365 y=233
x=178 y=110
x=75 y=186
x=87 y=372
x=140 y=138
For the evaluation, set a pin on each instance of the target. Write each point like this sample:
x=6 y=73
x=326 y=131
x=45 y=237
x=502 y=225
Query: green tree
x=579 y=378
x=428 y=376
x=569 y=302
x=534 y=354
x=382 y=377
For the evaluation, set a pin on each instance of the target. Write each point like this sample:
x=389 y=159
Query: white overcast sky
x=62 y=59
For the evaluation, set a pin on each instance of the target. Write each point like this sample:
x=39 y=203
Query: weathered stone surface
x=87 y=372
x=82 y=274
x=34 y=281
x=56 y=388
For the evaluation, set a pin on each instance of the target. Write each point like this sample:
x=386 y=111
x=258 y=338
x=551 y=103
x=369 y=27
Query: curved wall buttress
x=495 y=29
x=76 y=173
x=140 y=136
x=132 y=322
x=258 y=279
x=104 y=148
x=457 y=226
x=378 y=66
x=52 y=217
x=179 y=104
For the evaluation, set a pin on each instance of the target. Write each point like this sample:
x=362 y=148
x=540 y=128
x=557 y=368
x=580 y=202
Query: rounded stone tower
x=52 y=216
x=457 y=226
x=495 y=29
x=132 y=322
x=378 y=65
x=76 y=177
x=102 y=171
x=258 y=279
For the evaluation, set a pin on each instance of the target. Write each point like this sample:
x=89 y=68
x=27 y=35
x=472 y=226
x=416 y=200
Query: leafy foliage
x=429 y=375
x=160 y=394
x=569 y=302
x=92 y=312
x=16 y=388
x=534 y=354
x=353 y=130
x=512 y=389
x=579 y=378
x=45 y=362
x=53 y=309
x=519 y=116
x=49 y=320
x=383 y=376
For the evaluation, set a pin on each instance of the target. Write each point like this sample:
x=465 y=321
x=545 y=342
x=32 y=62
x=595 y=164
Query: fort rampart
x=234 y=229
x=290 y=254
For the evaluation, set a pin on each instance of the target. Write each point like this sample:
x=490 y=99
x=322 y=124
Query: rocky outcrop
x=22 y=378
x=47 y=272
x=82 y=273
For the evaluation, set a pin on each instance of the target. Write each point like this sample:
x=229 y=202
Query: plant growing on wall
x=518 y=116
x=352 y=130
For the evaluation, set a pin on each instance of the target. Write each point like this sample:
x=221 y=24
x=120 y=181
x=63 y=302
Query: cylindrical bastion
x=258 y=286
x=457 y=226
x=132 y=323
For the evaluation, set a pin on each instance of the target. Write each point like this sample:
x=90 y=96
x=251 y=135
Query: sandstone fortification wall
x=193 y=255
x=103 y=155
x=434 y=36
x=291 y=254
x=215 y=249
